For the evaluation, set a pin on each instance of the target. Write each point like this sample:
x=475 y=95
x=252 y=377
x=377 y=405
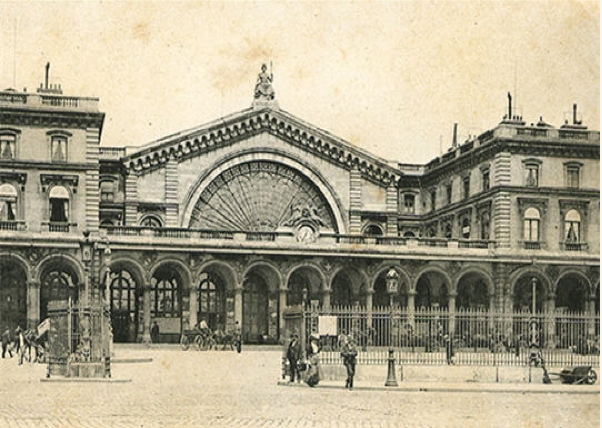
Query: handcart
x=577 y=375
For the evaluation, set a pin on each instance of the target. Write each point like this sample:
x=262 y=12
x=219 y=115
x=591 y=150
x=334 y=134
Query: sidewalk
x=445 y=386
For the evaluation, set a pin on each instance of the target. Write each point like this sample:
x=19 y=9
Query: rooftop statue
x=263 y=88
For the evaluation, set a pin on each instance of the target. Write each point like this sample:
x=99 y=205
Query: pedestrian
x=238 y=338
x=341 y=340
x=313 y=354
x=16 y=342
x=349 y=354
x=155 y=332
x=21 y=340
x=449 y=349
x=293 y=354
x=6 y=343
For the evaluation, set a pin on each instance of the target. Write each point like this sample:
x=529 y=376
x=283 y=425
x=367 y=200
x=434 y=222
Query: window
x=448 y=192
x=409 y=201
x=466 y=186
x=165 y=295
x=466 y=228
x=59 y=204
x=58 y=148
x=373 y=230
x=211 y=300
x=485 y=226
x=572 y=227
x=531 y=226
x=151 y=221
x=107 y=191
x=8 y=202
x=571 y=172
x=8 y=144
x=485 y=180
x=433 y=200
x=532 y=172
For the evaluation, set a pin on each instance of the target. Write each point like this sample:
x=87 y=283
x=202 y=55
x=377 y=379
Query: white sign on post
x=327 y=325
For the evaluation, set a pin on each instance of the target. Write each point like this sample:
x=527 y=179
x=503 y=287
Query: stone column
x=452 y=314
x=193 y=306
x=146 y=313
x=281 y=306
x=238 y=305
x=33 y=304
x=411 y=307
x=369 y=294
x=550 y=320
x=326 y=299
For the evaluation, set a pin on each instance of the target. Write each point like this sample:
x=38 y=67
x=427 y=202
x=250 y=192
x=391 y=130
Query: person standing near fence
x=349 y=354
x=313 y=354
x=449 y=349
x=293 y=354
x=6 y=345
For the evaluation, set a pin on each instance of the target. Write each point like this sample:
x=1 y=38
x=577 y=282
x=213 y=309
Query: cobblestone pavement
x=225 y=389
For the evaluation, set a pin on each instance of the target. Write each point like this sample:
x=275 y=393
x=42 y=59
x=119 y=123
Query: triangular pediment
x=231 y=129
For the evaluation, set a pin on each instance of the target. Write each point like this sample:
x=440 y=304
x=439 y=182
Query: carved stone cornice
x=68 y=179
x=51 y=119
x=14 y=177
x=249 y=123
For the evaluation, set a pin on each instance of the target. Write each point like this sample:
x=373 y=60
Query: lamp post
x=534 y=324
x=304 y=295
x=392 y=280
x=8 y=299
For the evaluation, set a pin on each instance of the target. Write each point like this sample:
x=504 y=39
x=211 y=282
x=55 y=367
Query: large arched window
x=211 y=300
x=572 y=226
x=165 y=294
x=8 y=202
x=373 y=230
x=57 y=284
x=59 y=204
x=531 y=225
x=151 y=221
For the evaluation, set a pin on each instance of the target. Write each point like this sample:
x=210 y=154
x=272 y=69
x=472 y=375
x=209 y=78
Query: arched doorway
x=304 y=278
x=523 y=294
x=571 y=305
x=432 y=290
x=125 y=298
x=260 y=309
x=381 y=298
x=166 y=289
x=59 y=282
x=13 y=295
x=212 y=300
x=473 y=292
x=572 y=293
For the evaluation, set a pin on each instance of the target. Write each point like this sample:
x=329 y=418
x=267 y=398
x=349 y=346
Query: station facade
x=237 y=220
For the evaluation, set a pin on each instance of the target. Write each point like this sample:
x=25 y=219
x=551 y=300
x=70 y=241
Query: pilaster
x=171 y=193
x=131 y=197
x=355 y=200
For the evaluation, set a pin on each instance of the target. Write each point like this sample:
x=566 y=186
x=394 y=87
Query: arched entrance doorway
x=304 y=278
x=260 y=305
x=473 y=292
x=166 y=289
x=571 y=306
x=348 y=288
x=59 y=282
x=126 y=305
x=212 y=300
x=432 y=290
x=523 y=293
x=13 y=295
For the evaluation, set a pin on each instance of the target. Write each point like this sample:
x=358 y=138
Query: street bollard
x=391 y=381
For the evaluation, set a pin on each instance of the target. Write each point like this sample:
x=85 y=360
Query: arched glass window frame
x=9 y=202
x=54 y=210
x=165 y=289
x=532 y=168
x=572 y=227
x=531 y=224
x=147 y=219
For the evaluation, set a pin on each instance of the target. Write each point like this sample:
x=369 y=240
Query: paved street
x=225 y=389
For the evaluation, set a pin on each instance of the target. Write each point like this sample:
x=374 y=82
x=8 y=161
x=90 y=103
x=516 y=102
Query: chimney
x=47 y=70
x=509 y=106
x=455 y=137
x=575 y=114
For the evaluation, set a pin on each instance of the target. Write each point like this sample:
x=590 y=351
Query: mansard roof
x=230 y=129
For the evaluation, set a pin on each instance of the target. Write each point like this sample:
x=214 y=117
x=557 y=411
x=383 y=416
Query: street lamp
x=392 y=280
x=534 y=323
x=8 y=299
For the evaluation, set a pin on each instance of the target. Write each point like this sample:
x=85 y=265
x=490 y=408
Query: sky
x=389 y=77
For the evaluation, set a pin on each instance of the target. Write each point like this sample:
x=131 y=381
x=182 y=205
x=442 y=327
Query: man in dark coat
x=293 y=354
x=6 y=343
x=349 y=354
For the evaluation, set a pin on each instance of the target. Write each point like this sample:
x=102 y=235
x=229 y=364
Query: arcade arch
x=304 y=278
x=260 y=305
x=13 y=294
x=432 y=289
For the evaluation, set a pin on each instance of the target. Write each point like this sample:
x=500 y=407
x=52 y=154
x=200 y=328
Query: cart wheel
x=184 y=343
x=592 y=376
x=198 y=340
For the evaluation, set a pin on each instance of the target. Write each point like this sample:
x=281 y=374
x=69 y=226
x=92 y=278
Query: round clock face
x=305 y=234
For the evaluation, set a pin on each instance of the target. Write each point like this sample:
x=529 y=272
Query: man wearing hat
x=349 y=355
x=293 y=354
x=313 y=352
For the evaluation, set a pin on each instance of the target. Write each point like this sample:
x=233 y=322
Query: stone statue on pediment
x=263 y=88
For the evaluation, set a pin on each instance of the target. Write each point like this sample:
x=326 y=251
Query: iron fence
x=478 y=337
